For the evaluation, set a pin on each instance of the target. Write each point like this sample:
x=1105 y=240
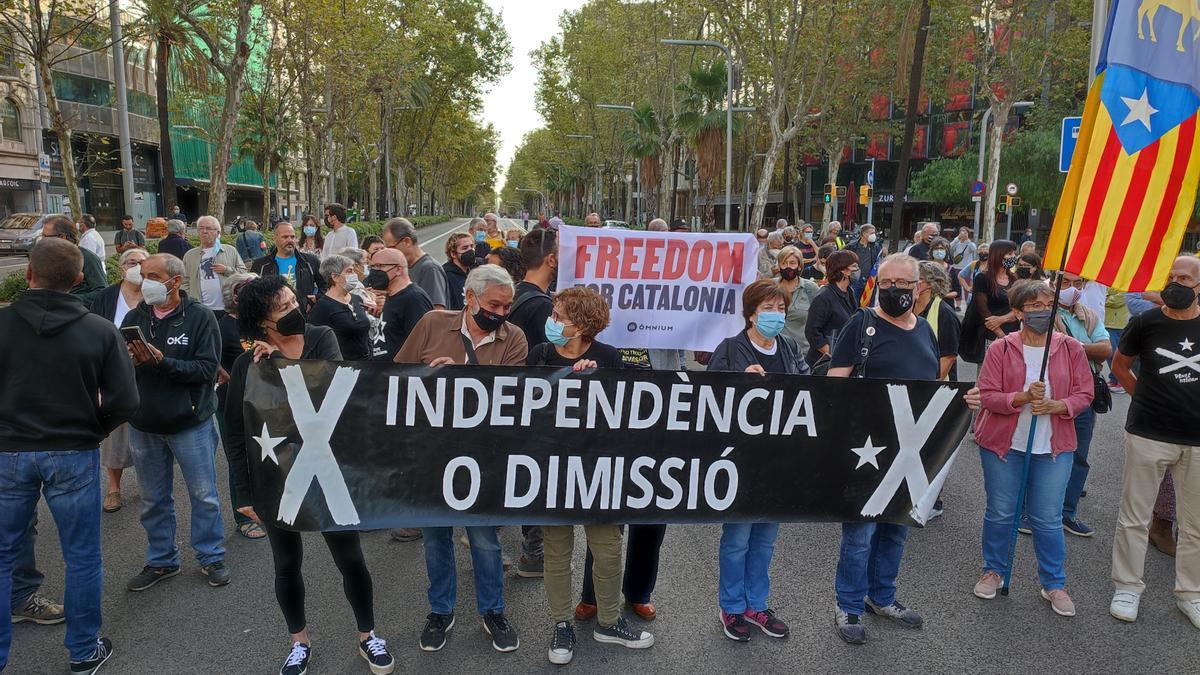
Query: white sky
x=510 y=106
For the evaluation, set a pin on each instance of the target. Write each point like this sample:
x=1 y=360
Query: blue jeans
x=1085 y=423
x=71 y=482
x=486 y=561
x=745 y=555
x=1114 y=337
x=154 y=457
x=26 y=577
x=869 y=564
x=1043 y=501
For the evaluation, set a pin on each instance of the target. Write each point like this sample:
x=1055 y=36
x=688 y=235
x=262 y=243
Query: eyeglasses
x=1037 y=306
x=896 y=283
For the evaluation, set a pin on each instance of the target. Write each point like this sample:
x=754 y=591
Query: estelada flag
x=1131 y=189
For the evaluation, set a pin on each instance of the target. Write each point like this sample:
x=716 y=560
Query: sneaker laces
x=434 y=620
x=375 y=646
x=564 y=637
x=297 y=655
x=499 y=621
x=621 y=627
x=37 y=603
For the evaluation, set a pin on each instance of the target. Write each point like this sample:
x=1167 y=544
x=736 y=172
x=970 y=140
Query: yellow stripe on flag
x=1074 y=191
x=1139 y=237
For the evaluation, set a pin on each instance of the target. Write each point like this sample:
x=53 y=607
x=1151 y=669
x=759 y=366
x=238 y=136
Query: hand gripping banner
x=376 y=445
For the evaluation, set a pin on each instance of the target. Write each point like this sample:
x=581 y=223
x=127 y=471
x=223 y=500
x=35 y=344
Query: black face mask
x=1024 y=273
x=1178 y=296
x=895 y=301
x=377 y=280
x=467 y=258
x=488 y=321
x=788 y=273
x=1010 y=262
x=291 y=323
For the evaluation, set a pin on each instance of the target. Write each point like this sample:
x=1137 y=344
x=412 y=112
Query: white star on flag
x=1140 y=109
x=1186 y=345
x=268 y=443
x=868 y=454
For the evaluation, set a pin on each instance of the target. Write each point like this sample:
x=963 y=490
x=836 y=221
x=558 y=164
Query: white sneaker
x=1190 y=609
x=1125 y=605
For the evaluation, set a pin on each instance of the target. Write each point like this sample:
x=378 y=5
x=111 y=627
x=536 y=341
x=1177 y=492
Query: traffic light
x=828 y=192
x=841 y=191
x=1002 y=207
x=864 y=194
x=1014 y=201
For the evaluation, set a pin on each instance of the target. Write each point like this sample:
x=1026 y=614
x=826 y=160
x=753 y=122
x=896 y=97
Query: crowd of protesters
x=158 y=362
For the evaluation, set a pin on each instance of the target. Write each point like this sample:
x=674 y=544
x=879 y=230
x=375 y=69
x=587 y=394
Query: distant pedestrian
x=84 y=389
x=400 y=234
x=128 y=236
x=208 y=265
x=94 y=279
x=91 y=240
x=340 y=234
x=250 y=244
x=175 y=242
x=312 y=241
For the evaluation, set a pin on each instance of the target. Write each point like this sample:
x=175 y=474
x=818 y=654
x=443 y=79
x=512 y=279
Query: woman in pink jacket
x=1011 y=396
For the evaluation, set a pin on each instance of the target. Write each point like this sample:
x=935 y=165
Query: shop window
x=80 y=89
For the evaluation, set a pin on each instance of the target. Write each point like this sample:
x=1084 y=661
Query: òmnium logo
x=635 y=326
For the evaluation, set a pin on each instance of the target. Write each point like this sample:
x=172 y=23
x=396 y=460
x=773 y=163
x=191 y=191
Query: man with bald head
x=406 y=301
x=94 y=280
x=302 y=270
x=76 y=386
x=657 y=225
x=1162 y=433
x=592 y=220
x=492 y=235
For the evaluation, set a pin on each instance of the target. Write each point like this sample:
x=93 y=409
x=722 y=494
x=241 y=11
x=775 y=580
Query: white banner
x=666 y=290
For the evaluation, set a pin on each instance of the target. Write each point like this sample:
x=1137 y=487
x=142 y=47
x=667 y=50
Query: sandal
x=112 y=502
x=251 y=530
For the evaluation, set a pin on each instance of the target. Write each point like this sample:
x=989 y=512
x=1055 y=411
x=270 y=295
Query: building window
x=10 y=121
x=80 y=89
x=141 y=104
x=8 y=62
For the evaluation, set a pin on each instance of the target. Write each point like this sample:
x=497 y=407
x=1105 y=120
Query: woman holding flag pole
x=1023 y=408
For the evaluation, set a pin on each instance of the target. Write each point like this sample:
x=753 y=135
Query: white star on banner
x=1140 y=109
x=868 y=454
x=268 y=444
x=1186 y=345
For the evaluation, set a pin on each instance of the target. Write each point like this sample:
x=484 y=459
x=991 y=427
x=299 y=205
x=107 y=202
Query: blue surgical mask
x=554 y=332
x=513 y=243
x=310 y=230
x=939 y=254
x=479 y=235
x=769 y=324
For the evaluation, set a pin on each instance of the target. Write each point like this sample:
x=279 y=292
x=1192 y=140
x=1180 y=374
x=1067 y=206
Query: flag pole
x=1020 y=510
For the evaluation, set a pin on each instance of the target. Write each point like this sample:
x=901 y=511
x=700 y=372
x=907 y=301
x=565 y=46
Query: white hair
x=208 y=220
x=231 y=282
x=129 y=254
x=485 y=276
x=334 y=264
x=356 y=255
x=175 y=226
x=902 y=259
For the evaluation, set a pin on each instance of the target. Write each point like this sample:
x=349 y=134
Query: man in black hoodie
x=176 y=362
x=69 y=384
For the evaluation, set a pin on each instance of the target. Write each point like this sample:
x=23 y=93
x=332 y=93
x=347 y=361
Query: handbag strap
x=470 y=349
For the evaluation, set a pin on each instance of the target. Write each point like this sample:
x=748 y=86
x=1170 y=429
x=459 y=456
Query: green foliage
x=12 y=286
x=1030 y=160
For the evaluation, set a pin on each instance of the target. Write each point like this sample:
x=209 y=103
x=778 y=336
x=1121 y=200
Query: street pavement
x=184 y=626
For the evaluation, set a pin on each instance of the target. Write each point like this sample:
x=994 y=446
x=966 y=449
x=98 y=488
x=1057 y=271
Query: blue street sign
x=977 y=188
x=871 y=178
x=1066 y=144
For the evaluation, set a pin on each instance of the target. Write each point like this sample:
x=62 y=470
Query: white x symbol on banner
x=315 y=458
x=1180 y=360
x=912 y=434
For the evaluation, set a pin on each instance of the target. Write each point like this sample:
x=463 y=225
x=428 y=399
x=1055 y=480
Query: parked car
x=20 y=231
x=615 y=225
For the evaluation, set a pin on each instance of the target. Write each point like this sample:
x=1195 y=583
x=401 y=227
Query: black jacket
x=308 y=275
x=175 y=245
x=456 y=281
x=68 y=379
x=177 y=394
x=829 y=311
x=320 y=344
x=104 y=303
x=736 y=354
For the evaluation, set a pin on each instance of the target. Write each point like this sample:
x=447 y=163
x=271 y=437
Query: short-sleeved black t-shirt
x=546 y=355
x=1166 y=404
x=531 y=307
x=895 y=353
x=997 y=303
x=401 y=312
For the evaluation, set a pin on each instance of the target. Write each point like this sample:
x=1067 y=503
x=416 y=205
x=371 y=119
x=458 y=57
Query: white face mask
x=871 y=238
x=351 y=282
x=154 y=292
x=134 y=275
x=1068 y=296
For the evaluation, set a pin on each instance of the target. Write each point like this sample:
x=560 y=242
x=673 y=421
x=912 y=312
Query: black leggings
x=287 y=550
x=641 y=565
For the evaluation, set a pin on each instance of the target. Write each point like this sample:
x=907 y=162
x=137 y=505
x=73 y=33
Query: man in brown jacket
x=481 y=335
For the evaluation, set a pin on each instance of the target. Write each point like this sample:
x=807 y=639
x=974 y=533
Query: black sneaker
x=504 y=634
x=1077 y=527
x=217 y=573
x=297 y=660
x=433 y=637
x=150 y=576
x=621 y=633
x=374 y=650
x=735 y=626
x=562 y=645
x=104 y=649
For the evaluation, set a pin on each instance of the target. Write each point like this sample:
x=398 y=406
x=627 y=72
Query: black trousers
x=287 y=550
x=641 y=565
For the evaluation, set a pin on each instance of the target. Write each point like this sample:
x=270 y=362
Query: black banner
x=375 y=445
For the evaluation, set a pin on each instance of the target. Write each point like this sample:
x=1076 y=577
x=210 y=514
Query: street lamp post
x=538 y=193
x=728 y=111
x=983 y=126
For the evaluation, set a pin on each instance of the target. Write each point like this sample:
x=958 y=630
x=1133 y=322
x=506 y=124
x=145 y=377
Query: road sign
x=871 y=178
x=1011 y=189
x=978 y=188
x=1066 y=142
x=976 y=198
